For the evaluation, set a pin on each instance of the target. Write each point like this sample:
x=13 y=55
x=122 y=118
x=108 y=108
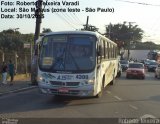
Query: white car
x=157 y=71
x=119 y=72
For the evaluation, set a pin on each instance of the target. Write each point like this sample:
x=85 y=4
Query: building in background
x=136 y=54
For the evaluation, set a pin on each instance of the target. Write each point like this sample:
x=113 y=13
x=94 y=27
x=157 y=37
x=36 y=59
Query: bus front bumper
x=87 y=90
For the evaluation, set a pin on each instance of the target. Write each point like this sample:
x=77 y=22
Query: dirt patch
x=20 y=77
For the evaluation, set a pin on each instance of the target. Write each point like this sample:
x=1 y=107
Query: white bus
x=76 y=63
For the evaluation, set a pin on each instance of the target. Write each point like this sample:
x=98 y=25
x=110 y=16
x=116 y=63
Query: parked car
x=157 y=71
x=152 y=66
x=119 y=72
x=124 y=64
x=147 y=62
x=135 y=70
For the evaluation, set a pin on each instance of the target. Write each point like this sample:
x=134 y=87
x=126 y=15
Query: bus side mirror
x=99 y=52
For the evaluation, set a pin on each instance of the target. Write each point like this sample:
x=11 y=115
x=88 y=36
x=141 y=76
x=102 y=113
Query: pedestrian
x=4 y=73
x=11 y=71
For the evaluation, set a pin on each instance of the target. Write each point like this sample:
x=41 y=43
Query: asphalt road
x=129 y=98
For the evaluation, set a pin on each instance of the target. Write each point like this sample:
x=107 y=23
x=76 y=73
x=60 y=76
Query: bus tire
x=102 y=88
x=113 y=80
x=118 y=74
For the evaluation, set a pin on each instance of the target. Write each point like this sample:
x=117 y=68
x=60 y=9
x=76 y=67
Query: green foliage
x=12 y=41
x=46 y=30
x=147 y=46
x=123 y=32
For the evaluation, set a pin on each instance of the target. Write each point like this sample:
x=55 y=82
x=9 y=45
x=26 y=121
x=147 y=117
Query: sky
x=146 y=16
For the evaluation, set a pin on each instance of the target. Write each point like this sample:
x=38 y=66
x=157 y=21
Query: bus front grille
x=72 y=83
x=58 y=83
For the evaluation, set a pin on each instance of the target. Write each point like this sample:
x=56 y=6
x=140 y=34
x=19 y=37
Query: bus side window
x=104 y=47
x=112 y=51
x=99 y=53
x=108 y=50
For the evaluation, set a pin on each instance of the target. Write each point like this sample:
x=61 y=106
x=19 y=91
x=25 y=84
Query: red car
x=135 y=70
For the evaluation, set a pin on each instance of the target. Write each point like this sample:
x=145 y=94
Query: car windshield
x=153 y=63
x=67 y=53
x=123 y=62
x=134 y=65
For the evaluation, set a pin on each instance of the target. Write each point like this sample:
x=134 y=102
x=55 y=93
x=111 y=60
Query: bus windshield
x=73 y=53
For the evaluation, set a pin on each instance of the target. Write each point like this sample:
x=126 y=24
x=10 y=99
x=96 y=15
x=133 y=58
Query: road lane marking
x=118 y=98
x=134 y=107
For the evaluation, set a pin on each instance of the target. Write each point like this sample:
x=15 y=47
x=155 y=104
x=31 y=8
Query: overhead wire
x=71 y=17
x=78 y=18
x=138 y=3
x=154 y=27
x=62 y=17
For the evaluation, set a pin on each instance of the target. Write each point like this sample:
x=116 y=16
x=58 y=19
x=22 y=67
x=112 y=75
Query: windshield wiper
x=60 y=61
x=73 y=59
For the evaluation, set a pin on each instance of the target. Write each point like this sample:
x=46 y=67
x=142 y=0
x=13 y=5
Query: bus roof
x=78 y=32
x=73 y=32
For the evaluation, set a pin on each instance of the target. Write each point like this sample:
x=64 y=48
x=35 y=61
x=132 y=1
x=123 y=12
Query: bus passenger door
x=99 y=74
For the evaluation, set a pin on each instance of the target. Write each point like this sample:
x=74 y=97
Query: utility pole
x=34 y=64
x=130 y=24
x=86 y=26
x=38 y=14
x=87 y=22
x=16 y=56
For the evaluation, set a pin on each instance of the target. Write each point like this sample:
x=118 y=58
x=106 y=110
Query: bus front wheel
x=113 y=80
x=102 y=88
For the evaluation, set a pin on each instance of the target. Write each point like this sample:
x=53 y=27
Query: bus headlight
x=39 y=78
x=91 y=81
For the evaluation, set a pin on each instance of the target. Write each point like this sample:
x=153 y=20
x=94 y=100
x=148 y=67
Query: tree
x=46 y=30
x=13 y=41
x=10 y=40
x=12 y=47
x=147 y=46
x=124 y=32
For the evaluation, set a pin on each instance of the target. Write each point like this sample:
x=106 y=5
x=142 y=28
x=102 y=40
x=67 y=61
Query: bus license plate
x=64 y=90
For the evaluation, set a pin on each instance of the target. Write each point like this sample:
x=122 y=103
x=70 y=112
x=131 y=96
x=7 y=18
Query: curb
x=18 y=90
